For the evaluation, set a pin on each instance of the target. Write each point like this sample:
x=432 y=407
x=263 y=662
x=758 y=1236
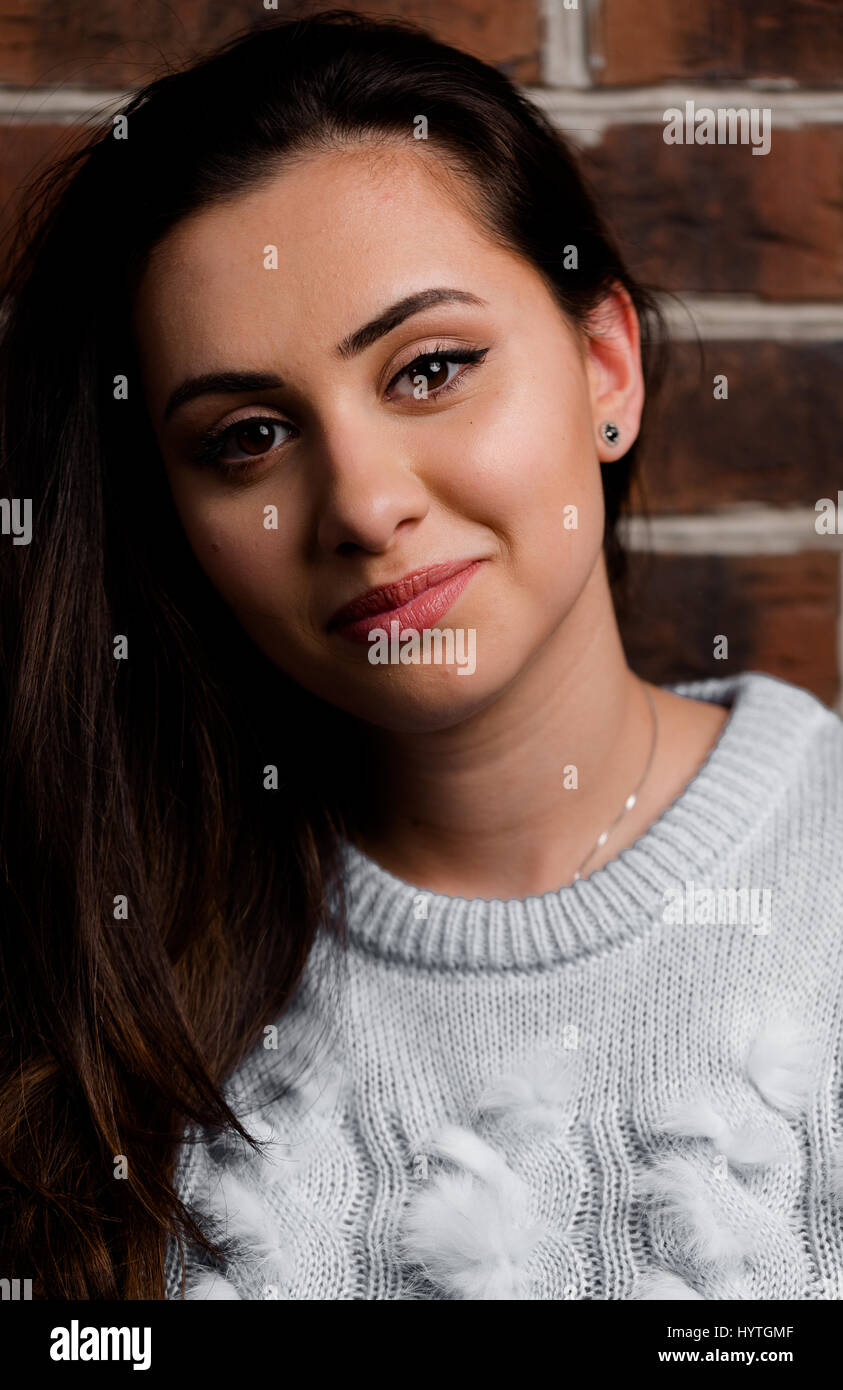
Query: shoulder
x=777 y=768
x=795 y=743
x=793 y=721
x=770 y=713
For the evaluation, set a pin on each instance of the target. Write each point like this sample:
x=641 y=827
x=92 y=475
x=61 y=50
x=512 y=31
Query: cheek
x=240 y=556
x=528 y=469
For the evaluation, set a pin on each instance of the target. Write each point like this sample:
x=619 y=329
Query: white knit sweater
x=628 y=1088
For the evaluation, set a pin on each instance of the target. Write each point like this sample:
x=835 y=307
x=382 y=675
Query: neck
x=481 y=808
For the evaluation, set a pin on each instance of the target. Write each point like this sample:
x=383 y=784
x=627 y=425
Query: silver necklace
x=633 y=796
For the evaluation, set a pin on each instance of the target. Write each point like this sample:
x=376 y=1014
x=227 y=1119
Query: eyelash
x=210 y=447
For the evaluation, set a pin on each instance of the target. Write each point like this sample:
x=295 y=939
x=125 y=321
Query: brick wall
x=749 y=248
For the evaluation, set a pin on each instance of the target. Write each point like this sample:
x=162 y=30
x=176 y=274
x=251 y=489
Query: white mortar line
x=58 y=105
x=591 y=110
x=594 y=51
x=585 y=116
x=564 y=53
x=736 y=316
x=743 y=529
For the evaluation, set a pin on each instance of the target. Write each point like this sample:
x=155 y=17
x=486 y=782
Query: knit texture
x=629 y=1088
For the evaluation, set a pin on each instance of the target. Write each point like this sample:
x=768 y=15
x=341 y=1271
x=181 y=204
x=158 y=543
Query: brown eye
x=238 y=444
x=439 y=372
x=254 y=437
x=436 y=373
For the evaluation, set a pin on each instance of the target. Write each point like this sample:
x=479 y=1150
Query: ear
x=613 y=365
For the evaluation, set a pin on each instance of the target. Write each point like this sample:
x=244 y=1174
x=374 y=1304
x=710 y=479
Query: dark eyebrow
x=397 y=313
x=235 y=383
x=213 y=383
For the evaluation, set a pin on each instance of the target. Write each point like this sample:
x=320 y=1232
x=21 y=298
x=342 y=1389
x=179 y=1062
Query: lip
x=417 y=600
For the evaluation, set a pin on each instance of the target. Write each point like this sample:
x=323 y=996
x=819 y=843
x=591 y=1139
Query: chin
x=414 y=700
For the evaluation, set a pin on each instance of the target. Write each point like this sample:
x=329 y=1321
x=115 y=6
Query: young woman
x=370 y=929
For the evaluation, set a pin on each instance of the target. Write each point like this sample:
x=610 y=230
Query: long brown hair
x=158 y=902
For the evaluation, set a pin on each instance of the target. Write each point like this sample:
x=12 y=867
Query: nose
x=369 y=489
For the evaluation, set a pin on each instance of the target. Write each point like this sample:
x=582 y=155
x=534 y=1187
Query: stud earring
x=610 y=432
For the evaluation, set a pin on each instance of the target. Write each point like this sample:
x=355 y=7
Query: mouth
x=418 y=600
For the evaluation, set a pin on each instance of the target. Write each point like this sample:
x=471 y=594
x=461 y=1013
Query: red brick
x=718 y=218
x=117 y=43
x=776 y=439
x=717 y=40
x=779 y=613
x=506 y=33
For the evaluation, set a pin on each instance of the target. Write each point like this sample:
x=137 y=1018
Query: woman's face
x=331 y=473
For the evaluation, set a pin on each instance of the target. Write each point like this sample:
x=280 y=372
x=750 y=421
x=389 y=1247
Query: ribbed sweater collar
x=743 y=778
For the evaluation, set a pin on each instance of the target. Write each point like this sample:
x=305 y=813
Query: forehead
x=350 y=227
